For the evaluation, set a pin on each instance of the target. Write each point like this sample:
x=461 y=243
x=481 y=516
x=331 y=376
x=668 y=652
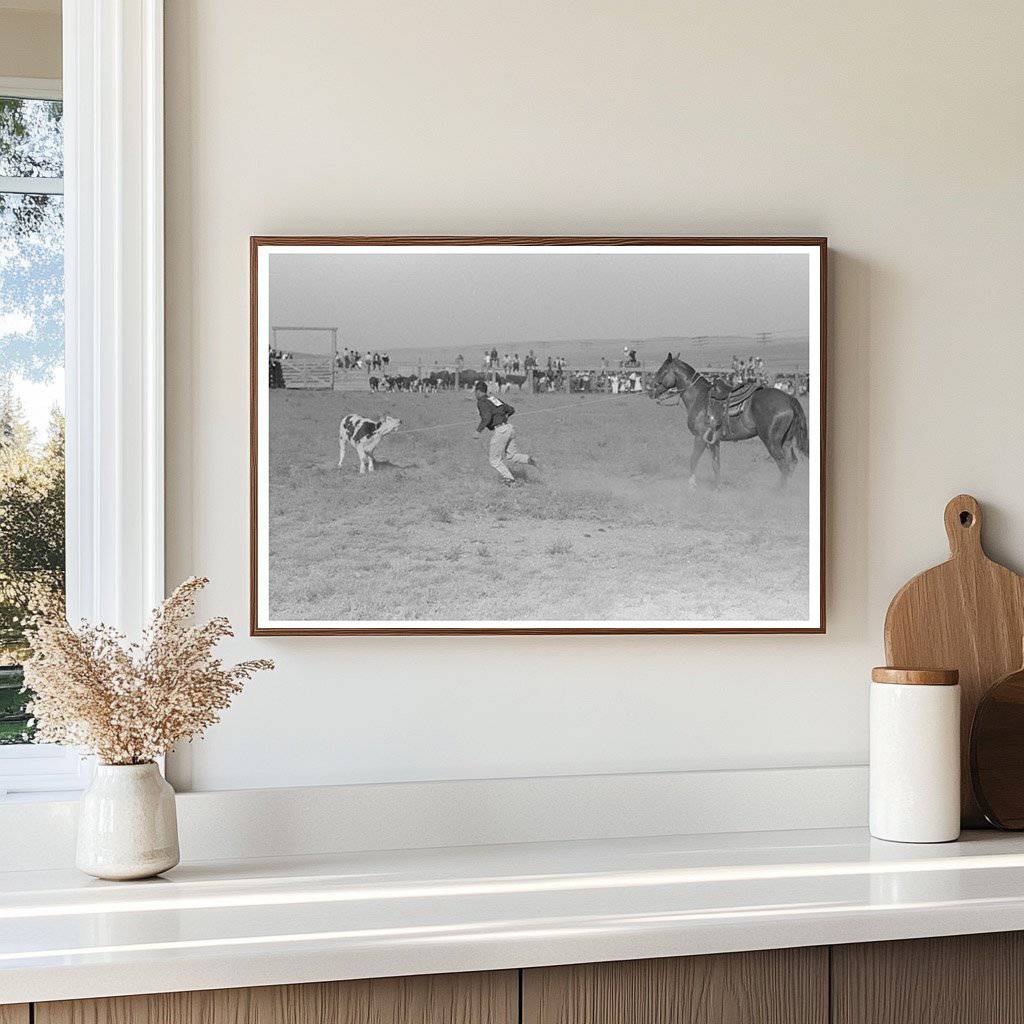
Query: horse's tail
x=797 y=432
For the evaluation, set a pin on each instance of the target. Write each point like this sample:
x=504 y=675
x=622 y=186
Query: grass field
x=607 y=529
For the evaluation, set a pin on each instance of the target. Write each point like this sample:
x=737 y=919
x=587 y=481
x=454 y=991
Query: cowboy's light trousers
x=503 y=445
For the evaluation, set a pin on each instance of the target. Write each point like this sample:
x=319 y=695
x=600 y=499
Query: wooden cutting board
x=967 y=614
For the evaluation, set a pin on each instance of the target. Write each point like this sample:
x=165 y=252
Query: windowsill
x=35 y=773
x=286 y=920
x=48 y=796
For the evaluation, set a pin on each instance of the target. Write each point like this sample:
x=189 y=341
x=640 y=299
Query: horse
x=776 y=418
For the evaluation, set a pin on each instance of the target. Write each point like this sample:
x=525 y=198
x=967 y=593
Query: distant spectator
x=276 y=371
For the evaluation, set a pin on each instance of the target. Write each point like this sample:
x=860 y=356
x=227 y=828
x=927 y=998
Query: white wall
x=30 y=39
x=895 y=129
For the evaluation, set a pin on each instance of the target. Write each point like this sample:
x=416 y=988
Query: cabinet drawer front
x=962 y=979
x=778 y=986
x=479 y=998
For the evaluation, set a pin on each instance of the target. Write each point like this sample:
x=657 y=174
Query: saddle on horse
x=725 y=401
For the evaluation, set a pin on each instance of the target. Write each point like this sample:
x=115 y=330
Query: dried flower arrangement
x=129 y=703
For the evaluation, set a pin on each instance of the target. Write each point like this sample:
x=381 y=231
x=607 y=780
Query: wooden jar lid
x=916 y=676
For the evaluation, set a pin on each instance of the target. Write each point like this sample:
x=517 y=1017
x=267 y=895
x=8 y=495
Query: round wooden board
x=997 y=753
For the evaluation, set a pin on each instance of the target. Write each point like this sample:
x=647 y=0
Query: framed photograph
x=537 y=435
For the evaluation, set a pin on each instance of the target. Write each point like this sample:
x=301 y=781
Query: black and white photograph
x=537 y=435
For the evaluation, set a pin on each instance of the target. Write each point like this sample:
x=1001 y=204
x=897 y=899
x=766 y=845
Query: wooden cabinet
x=963 y=979
x=491 y=998
x=779 y=986
x=970 y=979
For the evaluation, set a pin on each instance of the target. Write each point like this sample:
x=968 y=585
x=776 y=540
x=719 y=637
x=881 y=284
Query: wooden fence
x=322 y=374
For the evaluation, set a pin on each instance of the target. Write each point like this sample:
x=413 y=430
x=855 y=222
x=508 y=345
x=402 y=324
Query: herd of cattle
x=448 y=380
x=559 y=380
x=543 y=381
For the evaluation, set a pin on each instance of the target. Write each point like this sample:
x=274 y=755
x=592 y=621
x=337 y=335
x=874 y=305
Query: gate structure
x=312 y=355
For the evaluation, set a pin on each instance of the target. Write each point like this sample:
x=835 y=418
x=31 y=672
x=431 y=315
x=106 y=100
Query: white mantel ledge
x=270 y=921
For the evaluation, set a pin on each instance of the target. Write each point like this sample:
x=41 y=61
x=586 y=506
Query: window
x=32 y=556
x=109 y=169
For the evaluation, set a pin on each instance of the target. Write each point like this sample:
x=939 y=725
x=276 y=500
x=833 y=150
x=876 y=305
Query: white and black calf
x=364 y=435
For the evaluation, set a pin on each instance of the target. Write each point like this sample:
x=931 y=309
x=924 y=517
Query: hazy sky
x=412 y=300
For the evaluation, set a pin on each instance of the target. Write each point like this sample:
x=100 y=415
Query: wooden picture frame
x=319 y=393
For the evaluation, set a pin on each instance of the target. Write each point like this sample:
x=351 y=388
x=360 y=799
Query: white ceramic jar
x=915 y=755
x=127 y=824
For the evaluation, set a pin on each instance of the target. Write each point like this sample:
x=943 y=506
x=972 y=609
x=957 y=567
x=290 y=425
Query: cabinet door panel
x=480 y=998
x=779 y=986
x=14 y=1013
x=961 y=979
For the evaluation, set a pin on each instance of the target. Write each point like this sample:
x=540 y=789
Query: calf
x=364 y=435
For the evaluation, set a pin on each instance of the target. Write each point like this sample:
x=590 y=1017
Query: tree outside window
x=31 y=385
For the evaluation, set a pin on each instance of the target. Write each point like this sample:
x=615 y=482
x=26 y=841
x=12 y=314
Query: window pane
x=31 y=138
x=14 y=727
x=31 y=431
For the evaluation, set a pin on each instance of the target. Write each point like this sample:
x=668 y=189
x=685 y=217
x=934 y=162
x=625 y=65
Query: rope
x=520 y=415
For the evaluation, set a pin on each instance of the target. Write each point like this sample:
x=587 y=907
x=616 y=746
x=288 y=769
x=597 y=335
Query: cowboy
x=494 y=416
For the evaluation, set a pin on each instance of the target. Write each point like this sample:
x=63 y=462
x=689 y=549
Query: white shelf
x=352 y=915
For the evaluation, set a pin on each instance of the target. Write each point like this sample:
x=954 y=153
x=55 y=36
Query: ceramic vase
x=127 y=826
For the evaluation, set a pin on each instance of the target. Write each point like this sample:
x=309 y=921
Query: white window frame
x=114 y=328
x=31 y=88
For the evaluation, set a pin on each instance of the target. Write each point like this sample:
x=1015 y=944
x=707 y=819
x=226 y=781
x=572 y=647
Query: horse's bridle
x=675 y=390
